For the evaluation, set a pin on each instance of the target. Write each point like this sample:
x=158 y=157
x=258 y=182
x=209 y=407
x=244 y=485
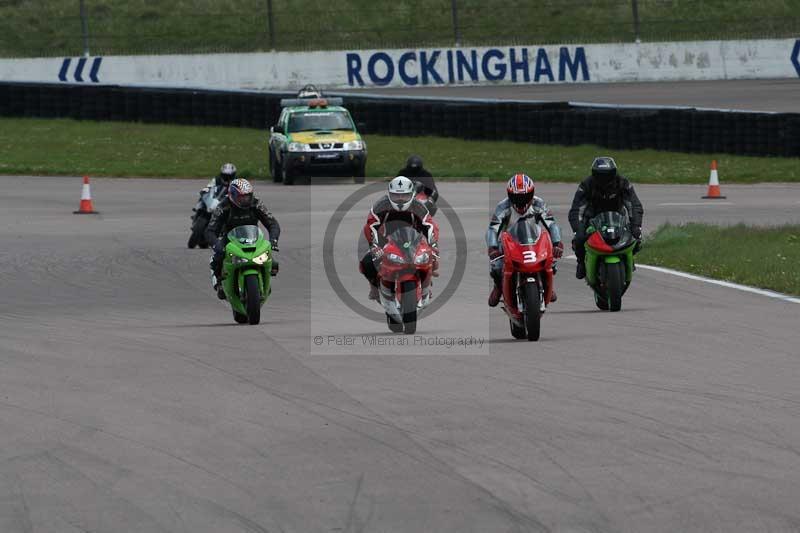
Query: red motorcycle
x=405 y=278
x=527 y=277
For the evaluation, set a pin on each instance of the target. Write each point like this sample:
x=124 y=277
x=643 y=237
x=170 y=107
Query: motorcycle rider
x=239 y=208
x=521 y=203
x=220 y=182
x=398 y=208
x=416 y=171
x=604 y=190
x=227 y=173
x=309 y=91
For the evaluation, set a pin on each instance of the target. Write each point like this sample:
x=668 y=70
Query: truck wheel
x=274 y=168
x=361 y=174
x=286 y=176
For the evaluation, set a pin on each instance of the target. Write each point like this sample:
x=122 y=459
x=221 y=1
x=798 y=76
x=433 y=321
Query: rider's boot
x=216 y=282
x=495 y=295
x=580 y=271
x=373 y=292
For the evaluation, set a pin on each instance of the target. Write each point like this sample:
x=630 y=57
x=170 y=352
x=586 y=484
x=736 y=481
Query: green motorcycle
x=246 y=273
x=609 y=258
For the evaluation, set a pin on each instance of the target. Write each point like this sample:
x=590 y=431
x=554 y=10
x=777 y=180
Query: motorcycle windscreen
x=525 y=232
x=613 y=228
x=245 y=235
x=407 y=239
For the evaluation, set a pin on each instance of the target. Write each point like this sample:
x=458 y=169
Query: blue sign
x=77 y=74
x=444 y=67
x=795 y=58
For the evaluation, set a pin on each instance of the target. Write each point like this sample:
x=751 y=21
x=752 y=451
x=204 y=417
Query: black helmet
x=604 y=170
x=414 y=161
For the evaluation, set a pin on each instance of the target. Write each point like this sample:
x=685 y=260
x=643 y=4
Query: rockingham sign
x=344 y=69
x=471 y=66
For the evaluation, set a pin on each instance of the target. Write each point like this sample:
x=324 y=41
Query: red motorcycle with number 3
x=405 y=278
x=527 y=277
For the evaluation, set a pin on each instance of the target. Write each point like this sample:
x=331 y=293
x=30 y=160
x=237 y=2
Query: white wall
x=702 y=60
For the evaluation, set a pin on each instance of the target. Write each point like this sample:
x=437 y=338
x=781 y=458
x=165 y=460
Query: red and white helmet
x=241 y=193
x=520 y=191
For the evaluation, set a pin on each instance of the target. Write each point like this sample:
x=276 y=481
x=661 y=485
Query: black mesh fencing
x=671 y=129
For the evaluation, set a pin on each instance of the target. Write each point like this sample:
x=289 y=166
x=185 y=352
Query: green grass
x=53 y=27
x=755 y=256
x=69 y=147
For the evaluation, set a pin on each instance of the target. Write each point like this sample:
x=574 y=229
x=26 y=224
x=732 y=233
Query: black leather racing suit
x=423 y=180
x=590 y=200
x=228 y=216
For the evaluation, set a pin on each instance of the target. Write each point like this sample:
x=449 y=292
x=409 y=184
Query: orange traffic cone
x=713 y=184
x=86 y=207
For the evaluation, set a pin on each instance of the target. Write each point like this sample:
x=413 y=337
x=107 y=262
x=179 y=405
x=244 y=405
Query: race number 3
x=528 y=256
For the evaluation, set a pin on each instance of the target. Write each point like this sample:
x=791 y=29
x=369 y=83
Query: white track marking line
x=689 y=204
x=727 y=284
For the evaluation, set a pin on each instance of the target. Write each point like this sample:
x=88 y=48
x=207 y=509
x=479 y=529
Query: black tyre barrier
x=673 y=129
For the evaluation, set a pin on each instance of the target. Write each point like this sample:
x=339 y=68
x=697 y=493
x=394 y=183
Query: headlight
x=239 y=260
x=422 y=258
x=299 y=147
x=355 y=145
x=395 y=258
x=261 y=259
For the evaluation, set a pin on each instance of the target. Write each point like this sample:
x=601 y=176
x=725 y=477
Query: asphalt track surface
x=754 y=95
x=129 y=401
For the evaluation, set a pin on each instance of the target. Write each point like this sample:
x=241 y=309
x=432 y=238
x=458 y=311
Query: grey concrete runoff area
x=753 y=95
x=131 y=402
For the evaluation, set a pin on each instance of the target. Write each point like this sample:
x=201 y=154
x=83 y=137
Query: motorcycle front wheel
x=533 y=315
x=252 y=299
x=615 y=284
x=408 y=306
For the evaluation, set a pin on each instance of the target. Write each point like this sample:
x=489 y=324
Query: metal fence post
x=635 y=7
x=456 y=31
x=85 y=29
x=271 y=25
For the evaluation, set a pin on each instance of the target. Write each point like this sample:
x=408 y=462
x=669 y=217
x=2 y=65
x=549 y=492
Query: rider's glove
x=435 y=268
x=558 y=249
x=494 y=253
x=376 y=252
x=636 y=231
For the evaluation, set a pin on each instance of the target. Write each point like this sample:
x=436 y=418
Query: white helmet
x=401 y=193
x=228 y=172
x=309 y=91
